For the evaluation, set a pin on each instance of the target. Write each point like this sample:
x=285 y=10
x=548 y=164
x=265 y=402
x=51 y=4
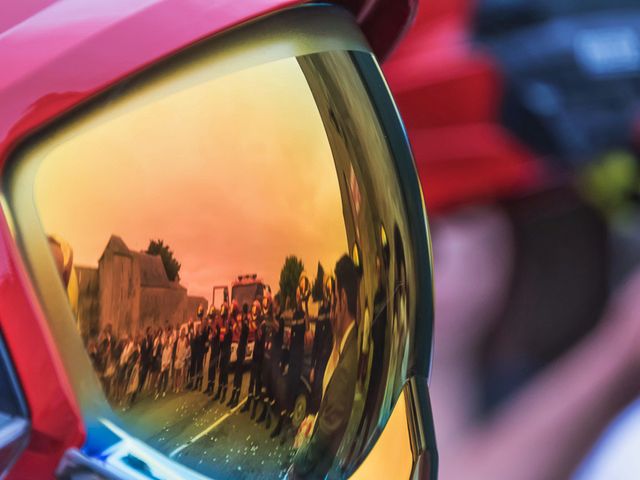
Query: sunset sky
x=234 y=174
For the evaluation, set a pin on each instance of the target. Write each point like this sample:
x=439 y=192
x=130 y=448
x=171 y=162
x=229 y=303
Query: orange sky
x=234 y=174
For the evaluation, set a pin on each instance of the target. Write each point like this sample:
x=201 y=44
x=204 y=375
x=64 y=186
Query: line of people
x=157 y=361
x=174 y=358
x=277 y=363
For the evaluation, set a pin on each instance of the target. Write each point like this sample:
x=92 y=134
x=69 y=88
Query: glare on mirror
x=202 y=242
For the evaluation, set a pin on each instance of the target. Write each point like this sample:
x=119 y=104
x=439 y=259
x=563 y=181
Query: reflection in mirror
x=225 y=251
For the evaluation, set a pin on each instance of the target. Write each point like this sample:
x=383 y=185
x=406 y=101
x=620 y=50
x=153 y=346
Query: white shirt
x=167 y=351
x=126 y=353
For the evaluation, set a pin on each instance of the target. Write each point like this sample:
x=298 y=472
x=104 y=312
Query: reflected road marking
x=207 y=430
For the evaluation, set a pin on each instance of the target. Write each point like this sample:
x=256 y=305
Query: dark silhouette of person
x=272 y=357
x=258 y=327
x=226 y=336
x=214 y=353
x=198 y=353
x=314 y=460
x=146 y=358
x=295 y=362
x=278 y=381
x=242 y=327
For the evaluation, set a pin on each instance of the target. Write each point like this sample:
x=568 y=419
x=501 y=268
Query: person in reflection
x=156 y=362
x=257 y=326
x=314 y=460
x=166 y=363
x=214 y=349
x=124 y=366
x=271 y=364
x=207 y=328
x=242 y=329
x=194 y=336
x=299 y=327
x=106 y=345
x=146 y=358
x=278 y=379
x=92 y=350
x=375 y=390
x=133 y=372
x=198 y=351
x=267 y=331
x=323 y=337
x=182 y=355
x=226 y=336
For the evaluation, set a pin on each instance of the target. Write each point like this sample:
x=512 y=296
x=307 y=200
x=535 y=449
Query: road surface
x=208 y=436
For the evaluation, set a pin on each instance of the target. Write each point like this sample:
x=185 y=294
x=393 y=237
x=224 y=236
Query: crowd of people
x=197 y=356
x=176 y=359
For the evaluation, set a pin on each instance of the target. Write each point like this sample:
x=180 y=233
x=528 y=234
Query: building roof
x=117 y=245
x=152 y=272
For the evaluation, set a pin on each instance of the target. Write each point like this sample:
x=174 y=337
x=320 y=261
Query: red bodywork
x=449 y=94
x=55 y=55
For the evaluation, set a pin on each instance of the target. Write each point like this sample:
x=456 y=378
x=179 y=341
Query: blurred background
x=524 y=120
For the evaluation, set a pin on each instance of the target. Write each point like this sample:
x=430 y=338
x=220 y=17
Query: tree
x=171 y=265
x=318 y=284
x=289 y=277
x=278 y=298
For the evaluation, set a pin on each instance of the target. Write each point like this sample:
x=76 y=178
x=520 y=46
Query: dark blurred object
x=500 y=16
x=523 y=117
x=449 y=92
x=14 y=422
x=572 y=72
x=558 y=290
x=488 y=89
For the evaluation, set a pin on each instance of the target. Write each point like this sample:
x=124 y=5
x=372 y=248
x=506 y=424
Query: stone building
x=130 y=290
x=88 y=313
